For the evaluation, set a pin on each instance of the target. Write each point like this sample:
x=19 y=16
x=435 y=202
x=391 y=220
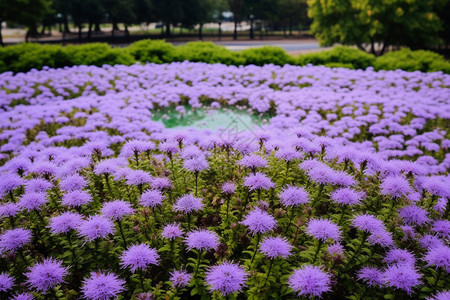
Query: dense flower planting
x=344 y=194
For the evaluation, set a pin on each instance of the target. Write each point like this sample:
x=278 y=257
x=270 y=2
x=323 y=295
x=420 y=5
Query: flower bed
x=343 y=194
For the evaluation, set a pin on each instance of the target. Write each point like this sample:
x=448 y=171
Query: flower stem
x=258 y=238
x=121 y=232
x=268 y=272
x=196 y=183
x=198 y=262
x=317 y=251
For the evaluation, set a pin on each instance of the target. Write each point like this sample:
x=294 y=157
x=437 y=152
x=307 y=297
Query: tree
x=235 y=7
x=369 y=22
x=25 y=12
x=292 y=13
x=169 y=12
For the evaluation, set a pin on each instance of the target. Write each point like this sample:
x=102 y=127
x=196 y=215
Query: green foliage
x=155 y=51
x=266 y=55
x=206 y=52
x=339 y=57
x=408 y=60
x=98 y=54
x=414 y=23
x=23 y=57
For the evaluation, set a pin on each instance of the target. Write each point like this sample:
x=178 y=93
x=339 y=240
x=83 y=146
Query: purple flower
x=152 y=198
x=8 y=210
x=6 y=282
x=273 y=247
x=287 y=154
x=259 y=221
x=73 y=183
x=335 y=249
x=139 y=257
x=399 y=256
x=444 y=295
x=293 y=196
x=347 y=196
x=23 y=296
x=367 y=223
x=172 y=231
x=95 y=227
x=76 y=198
x=32 y=201
x=395 y=186
x=180 y=279
x=430 y=241
x=442 y=228
x=322 y=174
x=413 y=215
x=138 y=177
x=228 y=188
x=253 y=161
x=9 y=182
x=65 y=222
x=371 y=276
x=439 y=257
x=310 y=281
x=202 y=240
x=188 y=204
x=258 y=181
x=136 y=147
x=382 y=238
x=161 y=183
x=102 y=286
x=46 y=275
x=403 y=277
x=196 y=164
x=117 y=209
x=37 y=185
x=226 y=278
x=14 y=239
x=323 y=230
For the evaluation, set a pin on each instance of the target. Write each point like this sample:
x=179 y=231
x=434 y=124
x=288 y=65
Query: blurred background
x=294 y=25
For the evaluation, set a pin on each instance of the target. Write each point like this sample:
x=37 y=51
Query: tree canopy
x=413 y=23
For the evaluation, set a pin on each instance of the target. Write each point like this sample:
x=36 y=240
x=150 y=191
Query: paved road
x=290 y=45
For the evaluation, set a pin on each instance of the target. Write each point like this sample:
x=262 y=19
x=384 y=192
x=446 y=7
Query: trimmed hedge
x=24 y=57
x=342 y=56
x=408 y=60
x=206 y=52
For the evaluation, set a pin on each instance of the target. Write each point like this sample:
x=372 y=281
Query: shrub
x=342 y=55
x=408 y=60
x=23 y=57
x=206 y=52
x=266 y=55
x=98 y=54
x=155 y=51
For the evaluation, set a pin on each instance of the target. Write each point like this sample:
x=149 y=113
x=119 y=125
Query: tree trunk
x=1 y=36
x=200 y=33
x=167 y=29
x=251 y=30
x=372 y=47
x=97 y=27
x=235 y=30
x=66 y=25
x=89 y=31
x=384 y=48
x=290 y=27
x=80 y=33
x=220 y=31
x=284 y=32
x=127 y=32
